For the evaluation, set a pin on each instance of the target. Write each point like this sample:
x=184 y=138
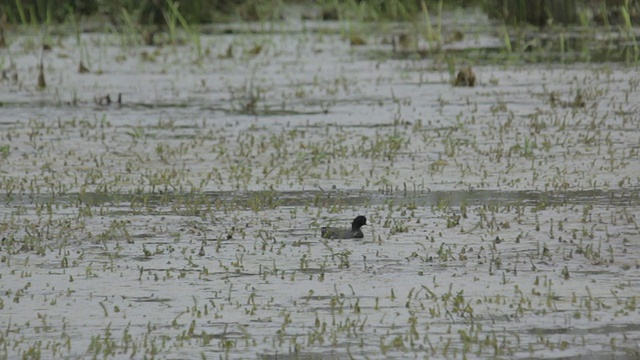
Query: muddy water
x=184 y=221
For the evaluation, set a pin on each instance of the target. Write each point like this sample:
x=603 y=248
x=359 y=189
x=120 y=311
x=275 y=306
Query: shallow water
x=184 y=221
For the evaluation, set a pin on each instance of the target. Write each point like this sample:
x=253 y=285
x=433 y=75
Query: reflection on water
x=618 y=197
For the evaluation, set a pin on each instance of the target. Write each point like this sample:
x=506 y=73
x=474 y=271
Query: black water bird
x=353 y=233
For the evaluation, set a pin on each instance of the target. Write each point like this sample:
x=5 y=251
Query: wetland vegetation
x=163 y=188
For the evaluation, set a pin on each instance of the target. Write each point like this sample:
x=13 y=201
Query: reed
x=203 y=11
x=536 y=12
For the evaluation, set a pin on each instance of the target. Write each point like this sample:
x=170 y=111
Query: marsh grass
x=628 y=33
x=431 y=34
x=174 y=14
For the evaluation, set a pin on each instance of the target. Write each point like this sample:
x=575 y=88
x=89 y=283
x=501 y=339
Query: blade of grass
x=193 y=34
